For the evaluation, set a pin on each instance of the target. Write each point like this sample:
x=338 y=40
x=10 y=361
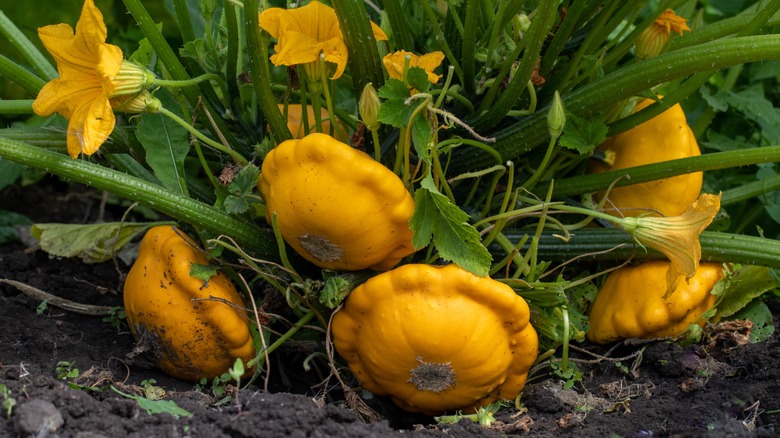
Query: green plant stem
x=17 y=106
x=595 y=97
x=183 y=20
x=534 y=178
x=377 y=145
x=50 y=140
x=18 y=74
x=598 y=24
x=616 y=244
x=261 y=77
x=334 y=121
x=399 y=23
x=187 y=82
x=316 y=104
x=232 y=56
x=361 y=45
x=496 y=28
x=255 y=240
x=469 y=42
x=235 y=155
x=546 y=13
x=289 y=333
x=750 y=190
x=441 y=40
x=723 y=28
x=650 y=172
x=168 y=58
x=16 y=37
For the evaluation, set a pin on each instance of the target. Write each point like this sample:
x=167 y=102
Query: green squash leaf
x=739 y=288
x=583 y=135
x=418 y=79
x=203 y=272
x=156 y=406
x=759 y=314
x=243 y=185
x=455 y=239
x=92 y=243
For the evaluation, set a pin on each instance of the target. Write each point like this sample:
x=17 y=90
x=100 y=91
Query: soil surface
x=723 y=387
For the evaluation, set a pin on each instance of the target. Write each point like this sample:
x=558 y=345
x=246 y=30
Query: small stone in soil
x=37 y=418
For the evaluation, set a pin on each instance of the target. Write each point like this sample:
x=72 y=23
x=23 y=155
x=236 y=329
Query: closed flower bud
x=142 y=102
x=556 y=117
x=130 y=80
x=369 y=107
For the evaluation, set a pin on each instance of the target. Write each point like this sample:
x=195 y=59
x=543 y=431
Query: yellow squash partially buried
x=191 y=329
x=631 y=303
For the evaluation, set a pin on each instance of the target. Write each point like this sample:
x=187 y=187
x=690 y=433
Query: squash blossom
x=677 y=237
x=395 y=64
x=303 y=34
x=92 y=73
x=652 y=41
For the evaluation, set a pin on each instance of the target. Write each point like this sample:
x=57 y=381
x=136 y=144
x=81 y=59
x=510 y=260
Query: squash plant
x=456 y=133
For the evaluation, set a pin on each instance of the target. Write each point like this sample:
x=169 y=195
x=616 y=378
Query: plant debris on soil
x=63 y=373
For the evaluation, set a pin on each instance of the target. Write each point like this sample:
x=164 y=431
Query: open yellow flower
x=91 y=73
x=304 y=33
x=677 y=237
x=394 y=64
x=652 y=41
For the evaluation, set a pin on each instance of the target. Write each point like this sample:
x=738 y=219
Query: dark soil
x=724 y=387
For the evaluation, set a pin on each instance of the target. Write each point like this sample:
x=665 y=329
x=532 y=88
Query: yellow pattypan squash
x=631 y=304
x=335 y=205
x=662 y=138
x=436 y=339
x=192 y=329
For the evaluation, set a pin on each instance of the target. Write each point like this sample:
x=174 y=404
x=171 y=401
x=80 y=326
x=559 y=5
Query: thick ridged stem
x=650 y=172
x=255 y=240
x=361 y=44
x=615 y=244
x=597 y=96
x=258 y=69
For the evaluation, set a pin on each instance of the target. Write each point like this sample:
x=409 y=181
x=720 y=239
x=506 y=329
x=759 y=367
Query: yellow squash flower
x=394 y=63
x=91 y=73
x=652 y=41
x=677 y=237
x=304 y=33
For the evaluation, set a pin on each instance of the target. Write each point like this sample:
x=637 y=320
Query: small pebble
x=37 y=418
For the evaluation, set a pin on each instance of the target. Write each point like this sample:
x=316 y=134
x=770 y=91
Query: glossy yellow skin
x=335 y=205
x=662 y=138
x=188 y=339
x=474 y=327
x=630 y=303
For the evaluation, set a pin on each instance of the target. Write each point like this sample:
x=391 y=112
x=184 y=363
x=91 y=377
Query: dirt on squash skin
x=722 y=388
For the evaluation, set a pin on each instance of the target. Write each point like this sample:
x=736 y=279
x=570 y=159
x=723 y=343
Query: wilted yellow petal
x=303 y=33
x=652 y=41
x=90 y=124
x=677 y=237
x=379 y=34
x=672 y=22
